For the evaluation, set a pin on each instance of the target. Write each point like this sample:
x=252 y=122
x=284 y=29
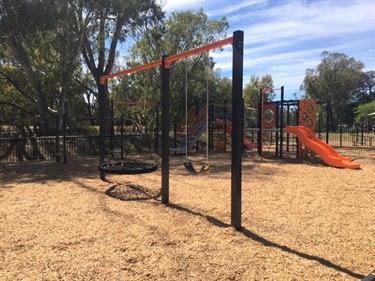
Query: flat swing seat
x=190 y=168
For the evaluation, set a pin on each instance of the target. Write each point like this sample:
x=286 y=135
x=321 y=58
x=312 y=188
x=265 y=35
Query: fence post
x=340 y=130
x=57 y=140
x=122 y=136
x=64 y=137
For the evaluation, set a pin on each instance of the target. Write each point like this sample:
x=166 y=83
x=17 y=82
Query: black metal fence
x=73 y=142
x=84 y=142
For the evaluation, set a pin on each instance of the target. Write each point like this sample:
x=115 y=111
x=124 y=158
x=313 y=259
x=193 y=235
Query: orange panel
x=268 y=110
x=307 y=114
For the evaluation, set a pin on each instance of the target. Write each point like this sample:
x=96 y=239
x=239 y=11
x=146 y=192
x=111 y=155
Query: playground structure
x=237 y=42
x=237 y=119
x=271 y=117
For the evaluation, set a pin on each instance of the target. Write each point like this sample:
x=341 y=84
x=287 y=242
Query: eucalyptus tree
x=43 y=39
x=114 y=21
x=367 y=90
x=252 y=88
x=335 y=80
x=182 y=31
x=363 y=110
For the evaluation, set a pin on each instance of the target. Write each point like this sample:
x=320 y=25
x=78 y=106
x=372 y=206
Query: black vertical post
x=112 y=136
x=282 y=122
x=210 y=117
x=122 y=136
x=102 y=112
x=340 y=134
x=277 y=116
x=225 y=124
x=57 y=140
x=165 y=132
x=288 y=123
x=320 y=125
x=297 y=122
x=64 y=137
x=175 y=134
x=196 y=114
x=260 y=122
x=157 y=129
x=328 y=121
x=237 y=134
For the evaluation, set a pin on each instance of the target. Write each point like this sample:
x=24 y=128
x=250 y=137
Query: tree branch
x=19 y=108
x=18 y=88
x=85 y=87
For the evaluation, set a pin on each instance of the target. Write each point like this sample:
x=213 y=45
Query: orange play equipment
x=248 y=144
x=324 y=150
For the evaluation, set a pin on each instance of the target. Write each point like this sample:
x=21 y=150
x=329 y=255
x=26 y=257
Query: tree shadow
x=44 y=171
x=267 y=243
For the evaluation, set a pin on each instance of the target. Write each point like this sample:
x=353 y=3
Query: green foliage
x=363 y=110
x=251 y=90
x=182 y=31
x=252 y=97
x=43 y=41
x=335 y=80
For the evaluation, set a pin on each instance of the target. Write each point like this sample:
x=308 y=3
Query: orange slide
x=325 y=151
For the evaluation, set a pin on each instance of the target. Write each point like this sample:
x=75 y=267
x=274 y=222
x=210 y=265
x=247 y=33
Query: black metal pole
x=175 y=134
x=260 y=122
x=277 y=116
x=102 y=112
x=288 y=123
x=165 y=132
x=57 y=140
x=211 y=121
x=112 y=132
x=237 y=134
x=327 y=121
x=196 y=114
x=225 y=125
x=64 y=137
x=122 y=136
x=297 y=122
x=282 y=122
x=157 y=129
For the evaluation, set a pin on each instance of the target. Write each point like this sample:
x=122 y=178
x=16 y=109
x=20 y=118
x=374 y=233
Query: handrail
x=198 y=121
x=190 y=117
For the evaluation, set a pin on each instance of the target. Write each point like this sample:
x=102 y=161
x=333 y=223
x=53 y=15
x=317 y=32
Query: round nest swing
x=128 y=168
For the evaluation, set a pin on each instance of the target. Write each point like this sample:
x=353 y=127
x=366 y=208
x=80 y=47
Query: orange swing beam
x=199 y=50
x=169 y=59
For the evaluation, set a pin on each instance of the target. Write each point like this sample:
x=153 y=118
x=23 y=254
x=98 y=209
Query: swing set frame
x=237 y=42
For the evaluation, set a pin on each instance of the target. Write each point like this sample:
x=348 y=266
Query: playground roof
x=371 y=114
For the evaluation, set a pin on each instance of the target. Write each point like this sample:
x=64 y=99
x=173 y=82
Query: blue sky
x=285 y=37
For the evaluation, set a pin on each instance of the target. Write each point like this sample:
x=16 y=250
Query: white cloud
x=233 y=7
x=176 y=5
x=284 y=38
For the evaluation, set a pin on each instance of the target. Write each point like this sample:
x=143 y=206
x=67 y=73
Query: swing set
x=237 y=42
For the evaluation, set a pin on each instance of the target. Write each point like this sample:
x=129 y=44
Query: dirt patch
x=302 y=220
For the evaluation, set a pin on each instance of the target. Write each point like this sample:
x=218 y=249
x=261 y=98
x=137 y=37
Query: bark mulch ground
x=302 y=220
